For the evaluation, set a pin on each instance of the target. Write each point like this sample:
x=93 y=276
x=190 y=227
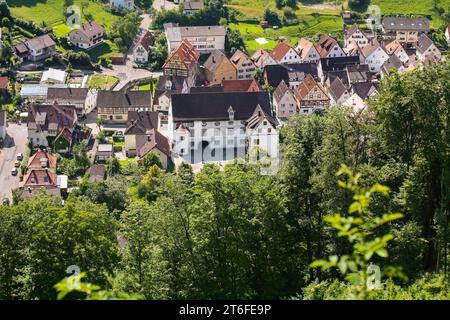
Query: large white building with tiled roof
x=203 y=38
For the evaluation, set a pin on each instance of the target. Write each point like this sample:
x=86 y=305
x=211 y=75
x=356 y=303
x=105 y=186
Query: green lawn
x=106 y=49
x=422 y=7
x=308 y=27
x=61 y=30
x=329 y=20
x=100 y=81
x=52 y=11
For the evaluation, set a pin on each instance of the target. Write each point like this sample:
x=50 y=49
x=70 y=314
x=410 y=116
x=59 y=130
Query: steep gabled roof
x=214 y=60
x=259 y=56
x=370 y=48
x=423 y=43
x=187 y=54
x=36 y=160
x=238 y=58
x=350 y=31
x=281 y=50
x=146 y=41
x=325 y=44
x=306 y=86
x=258 y=116
x=67 y=93
x=280 y=91
x=305 y=46
x=91 y=29
x=151 y=140
x=139 y=122
x=393 y=47
x=392 y=63
x=363 y=89
x=337 y=89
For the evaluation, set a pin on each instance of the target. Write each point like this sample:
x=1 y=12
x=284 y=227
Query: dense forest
x=304 y=233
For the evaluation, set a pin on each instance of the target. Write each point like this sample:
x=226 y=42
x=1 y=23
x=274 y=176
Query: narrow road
x=16 y=141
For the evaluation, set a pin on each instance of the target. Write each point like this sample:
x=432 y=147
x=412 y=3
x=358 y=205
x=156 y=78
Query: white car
x=19 y=156
x=14 y=171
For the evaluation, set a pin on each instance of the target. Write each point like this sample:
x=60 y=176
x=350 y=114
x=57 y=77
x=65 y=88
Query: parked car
x=16 y=163
x=14 y=171
x=19 y=156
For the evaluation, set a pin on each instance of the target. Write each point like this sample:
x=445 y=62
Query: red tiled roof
x=39 y=178
x=35 y=160
x=186 y=52
x=3 y=82
x=240 y=85
x=326 y=43
x=280 y=50
x=147 y=40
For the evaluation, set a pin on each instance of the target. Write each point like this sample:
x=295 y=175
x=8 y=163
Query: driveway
x=16 y=141
x=161 y=5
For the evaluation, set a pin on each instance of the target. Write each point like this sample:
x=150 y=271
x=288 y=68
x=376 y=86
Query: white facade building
x=206 y=127
x=203 y=38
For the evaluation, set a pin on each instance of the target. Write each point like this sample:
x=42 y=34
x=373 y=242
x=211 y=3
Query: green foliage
x=124 y=31
x=360 y=228
x=151 y=159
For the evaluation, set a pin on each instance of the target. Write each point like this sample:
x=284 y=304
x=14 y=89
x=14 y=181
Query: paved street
x=16 y=142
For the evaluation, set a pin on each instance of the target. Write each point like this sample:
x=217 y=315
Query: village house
x=183 y=61
x=405 y=30
x=37 y=49
x=262 y=58
x=167 y=85
x=245 y=67
x=46 y=121
x=203 y=38
x=218 y=68
x=240 y=86
x=83 y=99
x=284 y=53
x=87 y=36
x=392 y=64
x=327 y=65
x=426 y=50
x=396 y=48
x=284 y=101
x=337 y=91
x=374 y=55
x=142 y=48
x=311 y=96
x=291 y=74
x=113 y=106
x=127 y=4
x=192 y=6
x=221 y=126
x=357 y=73
x=307 y=51
x=142 y=136
x=40 y=176
x=357 y=35
x=329 y=47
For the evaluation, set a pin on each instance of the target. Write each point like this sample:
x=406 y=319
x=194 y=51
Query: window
x=182 y=138
x=181 y=151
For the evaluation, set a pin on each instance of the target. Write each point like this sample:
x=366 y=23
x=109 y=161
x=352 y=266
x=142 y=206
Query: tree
x=234 y=41
x=271 y=17
x=45 y=239
x=124 y=30
x=113 y=166
x=360 y=228
x=151 y=159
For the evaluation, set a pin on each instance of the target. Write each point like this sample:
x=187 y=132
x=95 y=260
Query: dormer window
x=231 y=113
